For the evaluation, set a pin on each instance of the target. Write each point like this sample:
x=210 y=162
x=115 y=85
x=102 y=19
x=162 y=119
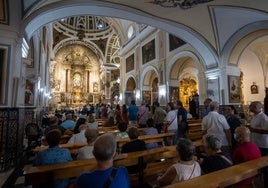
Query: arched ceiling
x=77 y=55
x=207 y=27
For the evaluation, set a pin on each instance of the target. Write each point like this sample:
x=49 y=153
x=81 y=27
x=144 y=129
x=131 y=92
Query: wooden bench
x=147 y=138
x=194 y=131
x=227 y=176
x=48 y=173
x=43 y=174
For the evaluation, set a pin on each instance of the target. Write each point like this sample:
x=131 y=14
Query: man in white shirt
x=216 y=124
x=259 y=132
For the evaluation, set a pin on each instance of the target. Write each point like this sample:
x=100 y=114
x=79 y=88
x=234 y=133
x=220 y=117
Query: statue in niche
x=29 y=88
x=95 y=87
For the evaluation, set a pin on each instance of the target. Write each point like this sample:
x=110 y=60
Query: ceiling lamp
x=183 y=4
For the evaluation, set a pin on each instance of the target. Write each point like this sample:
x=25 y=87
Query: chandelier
x=183 y=4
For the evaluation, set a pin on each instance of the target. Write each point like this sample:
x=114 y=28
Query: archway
x=59 y=10
x=130 y=90
x=149 y=86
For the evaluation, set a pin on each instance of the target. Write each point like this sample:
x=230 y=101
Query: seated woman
x=92 y=122
x=216 y=159
x=134 y=145
x=53 y=155
x=185 y=169
x=122 y=126
x=150 y=131
x=79 y=137
x=86 y=152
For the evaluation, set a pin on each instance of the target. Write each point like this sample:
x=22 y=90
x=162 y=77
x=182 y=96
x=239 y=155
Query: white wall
x=251 y=67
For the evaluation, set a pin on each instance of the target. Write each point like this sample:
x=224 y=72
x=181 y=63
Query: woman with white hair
x=216 y=159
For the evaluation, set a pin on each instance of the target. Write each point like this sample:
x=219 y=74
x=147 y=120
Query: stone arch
x=241 y=40
x=144 y=73
x=58 y=10
x=181 y=55
x=239 y=50
x=130 y=77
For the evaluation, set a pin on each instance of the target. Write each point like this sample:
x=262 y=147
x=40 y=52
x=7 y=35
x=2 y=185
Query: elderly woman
x=216 y=159
x=86 y=152
x=185 y=169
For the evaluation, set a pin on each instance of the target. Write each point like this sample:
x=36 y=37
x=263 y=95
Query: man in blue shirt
x=133 y=113
x=53 y=155
x=105 y=176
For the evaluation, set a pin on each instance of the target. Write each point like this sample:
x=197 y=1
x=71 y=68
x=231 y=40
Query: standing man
x=216 y=124
x=259 y=129
x=206 y=104
x=133 y=113
x=159 y=117
x=143 y=115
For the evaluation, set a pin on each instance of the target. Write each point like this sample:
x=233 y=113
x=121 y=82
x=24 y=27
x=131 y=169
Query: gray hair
x=104 y=147
x=213 y=105
x=213 y=142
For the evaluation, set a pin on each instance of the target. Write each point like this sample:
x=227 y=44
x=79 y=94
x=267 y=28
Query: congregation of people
x=227 y=140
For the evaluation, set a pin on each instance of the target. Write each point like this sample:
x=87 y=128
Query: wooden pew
x=227 y=176
x=146 y=138
x=43 y=174
x=71 y=147
x=194 y=131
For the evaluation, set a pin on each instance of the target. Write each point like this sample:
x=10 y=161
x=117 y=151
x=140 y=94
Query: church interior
x=57 y=54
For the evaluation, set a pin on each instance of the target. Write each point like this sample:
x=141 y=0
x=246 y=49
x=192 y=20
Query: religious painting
x=254 y=88
x=148 y=52
x=173 y=94
x=130 y=63
x=234 y=89
x=29 y=93
x=175 y=42
x=146 y=97
x=4 y=66
x=95 y=87
x=213 y=89
x=90 y=98
x=4 y=14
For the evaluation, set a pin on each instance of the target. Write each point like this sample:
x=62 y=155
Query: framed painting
x=148 y=52
x=4 y=13
x=4 y=70
x=213 y=89
x=130 y=63
x=29 y=93
x=234 y=89
x=175 y=42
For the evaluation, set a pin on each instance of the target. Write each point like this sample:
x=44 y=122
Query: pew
x=227 y=176
x=146 y=138
x=42 y=174
x=47 y=173
x=120 y=142
x=194 y=131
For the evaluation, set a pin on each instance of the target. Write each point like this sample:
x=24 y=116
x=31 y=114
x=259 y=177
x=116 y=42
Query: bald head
x=104 y=147
x=242 y=134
